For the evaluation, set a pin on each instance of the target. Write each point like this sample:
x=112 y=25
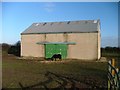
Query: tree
x=15 y=49
x=5 y=47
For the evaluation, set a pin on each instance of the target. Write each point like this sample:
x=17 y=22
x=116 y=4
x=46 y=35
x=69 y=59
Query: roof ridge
x=68 y=21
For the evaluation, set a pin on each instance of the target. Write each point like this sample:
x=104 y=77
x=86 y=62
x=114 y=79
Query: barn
x=71 y=39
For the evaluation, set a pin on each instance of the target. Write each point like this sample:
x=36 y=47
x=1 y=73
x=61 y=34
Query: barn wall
x=29 y=46
x=55 y=38
x=87 y=45
x=99 y=45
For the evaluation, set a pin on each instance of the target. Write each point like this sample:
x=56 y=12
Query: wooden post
x=117 y=69
x=113 y=64
x=109 y=67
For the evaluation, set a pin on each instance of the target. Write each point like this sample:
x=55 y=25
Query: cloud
x=49 y=7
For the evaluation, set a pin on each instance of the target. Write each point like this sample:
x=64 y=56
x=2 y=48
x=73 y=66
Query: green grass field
x=19 y=73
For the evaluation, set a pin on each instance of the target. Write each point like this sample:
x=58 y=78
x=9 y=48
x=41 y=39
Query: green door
x=51 y=49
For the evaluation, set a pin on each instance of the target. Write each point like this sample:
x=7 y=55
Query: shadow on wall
x=15 y=49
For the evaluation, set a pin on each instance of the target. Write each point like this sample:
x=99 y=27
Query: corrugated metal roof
x=60 y=27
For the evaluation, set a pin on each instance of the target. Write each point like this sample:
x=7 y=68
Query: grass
x=36 y=74
x=112 y=55
x=109 y=54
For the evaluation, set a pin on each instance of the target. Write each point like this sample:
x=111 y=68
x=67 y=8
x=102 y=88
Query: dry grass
x=18 y=73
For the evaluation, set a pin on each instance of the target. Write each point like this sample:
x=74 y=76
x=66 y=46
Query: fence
x=113 y=76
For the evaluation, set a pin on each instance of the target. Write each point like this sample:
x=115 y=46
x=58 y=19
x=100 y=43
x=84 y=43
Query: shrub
x=15 y=49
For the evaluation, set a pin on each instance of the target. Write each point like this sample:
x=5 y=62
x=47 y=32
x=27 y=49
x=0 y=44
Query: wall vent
x=95 y=21
x=37 y=24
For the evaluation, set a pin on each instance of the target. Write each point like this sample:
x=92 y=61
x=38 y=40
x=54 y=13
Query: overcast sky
x=17 y=16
